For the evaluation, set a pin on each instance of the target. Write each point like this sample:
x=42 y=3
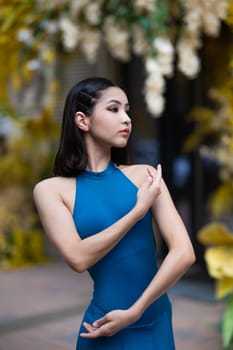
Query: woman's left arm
x=180 y=251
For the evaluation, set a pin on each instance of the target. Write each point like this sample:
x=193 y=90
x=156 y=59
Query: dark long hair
x=71 y=157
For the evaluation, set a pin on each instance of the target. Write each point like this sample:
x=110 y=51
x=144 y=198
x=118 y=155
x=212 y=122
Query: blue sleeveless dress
x=122 y=275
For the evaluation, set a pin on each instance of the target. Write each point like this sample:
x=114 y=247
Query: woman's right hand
x=149 y=190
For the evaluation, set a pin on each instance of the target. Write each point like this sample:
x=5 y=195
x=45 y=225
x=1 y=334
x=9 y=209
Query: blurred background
x=174 y=59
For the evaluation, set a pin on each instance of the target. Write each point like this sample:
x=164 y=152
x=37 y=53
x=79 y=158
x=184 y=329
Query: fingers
x=108 y=325
x=100 y=322
x=90 y=328
x=97 y=329
x=159 y=170
x=105 y=326
x=104 y=330
x=156 y=175
x=92 y=331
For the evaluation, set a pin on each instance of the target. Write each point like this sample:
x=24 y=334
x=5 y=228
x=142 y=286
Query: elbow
x=79 y=268
x=189 y=258
x=77 y=265
x=193 y=258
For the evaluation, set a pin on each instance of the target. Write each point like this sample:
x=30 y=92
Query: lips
x=124 y=131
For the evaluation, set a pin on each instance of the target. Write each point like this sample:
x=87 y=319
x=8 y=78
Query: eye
x=113 y=109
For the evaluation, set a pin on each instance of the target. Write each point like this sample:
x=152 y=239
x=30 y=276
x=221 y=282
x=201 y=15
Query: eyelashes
x=113 y=109
x=116 y=110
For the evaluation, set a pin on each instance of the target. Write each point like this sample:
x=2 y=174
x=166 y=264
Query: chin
x=122 y=145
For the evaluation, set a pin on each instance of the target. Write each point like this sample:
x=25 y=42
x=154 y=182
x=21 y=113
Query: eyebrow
x=118 y=102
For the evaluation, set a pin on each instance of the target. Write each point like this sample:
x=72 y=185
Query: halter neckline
x=100 y=174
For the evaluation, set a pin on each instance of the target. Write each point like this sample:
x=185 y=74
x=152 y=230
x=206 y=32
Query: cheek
x=108 y=124
x=103 y=130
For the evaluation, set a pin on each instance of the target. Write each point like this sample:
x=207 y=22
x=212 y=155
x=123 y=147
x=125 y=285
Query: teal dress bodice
x=121 y=276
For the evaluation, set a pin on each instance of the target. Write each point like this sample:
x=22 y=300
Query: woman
x=98 y=212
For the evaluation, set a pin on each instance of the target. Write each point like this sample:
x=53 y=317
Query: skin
x=108 y=126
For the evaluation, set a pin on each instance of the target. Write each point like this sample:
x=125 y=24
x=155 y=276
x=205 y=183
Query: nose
x=126 y=118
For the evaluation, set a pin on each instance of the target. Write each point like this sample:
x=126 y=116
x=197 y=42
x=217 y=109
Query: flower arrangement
x=164 y=33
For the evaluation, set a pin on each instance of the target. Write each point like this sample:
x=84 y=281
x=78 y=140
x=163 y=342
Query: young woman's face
x=110 y=123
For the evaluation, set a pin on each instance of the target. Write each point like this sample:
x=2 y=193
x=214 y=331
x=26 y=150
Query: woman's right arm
x=58 y=224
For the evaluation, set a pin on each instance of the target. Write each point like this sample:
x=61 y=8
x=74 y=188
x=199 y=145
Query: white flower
x=34 y=65
x=151 y=65
x=155 y=103
x=221 y=8
x=154 y=86
x=190 y=41
x=76 y=7
x=140 y=46
x=166 y=65
x=188 y=63
x=8 y=128
x=205 y=14
x=191 y=4
x=193 y=20
x=144 y=6
x=117 y=39
x=90 y=41
x=70 y=34
x=163 y=46
x=24 y=35
x=50 y=26
x=165 y=53
x=92 y=13
x=155 y=83
x=211 y=24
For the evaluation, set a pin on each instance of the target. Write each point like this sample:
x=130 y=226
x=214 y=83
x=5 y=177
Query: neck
x=98 y=161
x=98 y=155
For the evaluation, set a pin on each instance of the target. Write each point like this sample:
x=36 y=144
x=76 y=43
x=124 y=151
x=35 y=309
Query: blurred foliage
x=213 y=130
x=27 y=96
x=213 y=134
x=27 y=157
x=25 y=53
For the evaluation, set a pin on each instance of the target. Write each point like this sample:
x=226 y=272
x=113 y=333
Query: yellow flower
x=219 y=256
x=220 y=261
x=224 y=286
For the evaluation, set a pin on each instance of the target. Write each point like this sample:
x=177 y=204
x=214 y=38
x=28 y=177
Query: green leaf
x=145 y=22
x=112 y=4
x=228 y=324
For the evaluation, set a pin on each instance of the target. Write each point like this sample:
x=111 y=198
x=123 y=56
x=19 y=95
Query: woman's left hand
x=110 y=324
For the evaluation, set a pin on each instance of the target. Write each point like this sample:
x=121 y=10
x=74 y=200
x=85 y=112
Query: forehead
x=113 y=93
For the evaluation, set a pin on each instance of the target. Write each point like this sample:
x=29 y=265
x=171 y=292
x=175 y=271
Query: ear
x=81 y=121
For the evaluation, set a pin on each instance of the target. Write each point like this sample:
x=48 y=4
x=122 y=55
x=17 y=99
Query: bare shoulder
x=137 y=173
x=60 y=189
x=47 y=185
